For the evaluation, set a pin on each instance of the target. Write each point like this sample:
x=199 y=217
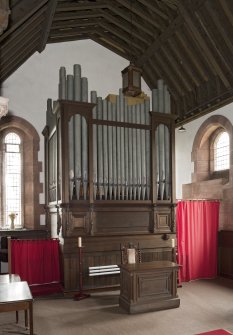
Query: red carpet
x=216 y=332
x=46 y=289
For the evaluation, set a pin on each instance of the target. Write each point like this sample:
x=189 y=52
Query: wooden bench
x=103 y=270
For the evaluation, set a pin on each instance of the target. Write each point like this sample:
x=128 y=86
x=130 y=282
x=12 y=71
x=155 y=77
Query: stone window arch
x=32 y=187
x=203 y=149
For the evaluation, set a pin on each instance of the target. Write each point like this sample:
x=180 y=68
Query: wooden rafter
x=47 y=24
x=138 y=10
x=202 y=45
x=22 y=11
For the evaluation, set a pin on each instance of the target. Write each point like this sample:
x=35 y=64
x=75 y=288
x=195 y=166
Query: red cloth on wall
x=197 y=229
x=36 y=261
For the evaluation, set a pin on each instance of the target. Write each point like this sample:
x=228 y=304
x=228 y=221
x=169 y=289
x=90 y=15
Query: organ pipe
x=94 y=114
x=121 y=154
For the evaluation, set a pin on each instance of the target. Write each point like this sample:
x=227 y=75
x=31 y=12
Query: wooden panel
x=162 y=220
x=148 y=286
x=226 y=253
x=98 y=251
x=121 y=222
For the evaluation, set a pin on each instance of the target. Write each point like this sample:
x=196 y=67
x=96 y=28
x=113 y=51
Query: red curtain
x=36 y=261
x=197 y=229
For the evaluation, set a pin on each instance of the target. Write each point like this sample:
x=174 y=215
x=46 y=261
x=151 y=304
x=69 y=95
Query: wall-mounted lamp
x=3 y=106
x=182 y=129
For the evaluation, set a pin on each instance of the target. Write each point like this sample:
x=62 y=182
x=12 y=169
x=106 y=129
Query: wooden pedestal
x=148 y=286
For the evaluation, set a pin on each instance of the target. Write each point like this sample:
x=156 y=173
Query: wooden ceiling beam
x=116 y=42
x=13 y=65
x=186 y=46
x=219 y=25
x=77 y=15
x=202 y=44
x=20 y=49
x=212 y=37
x=51 y=7
x=152 y=49
x=175 y=73
x=7 y=48
x=20 y=13
x=138 y=10
x=74 y=23
x=155 y=66
x=122 y=14
x=165 y=73
x=227 y=8
x=155 y=9
x=171 y=12
x=67 y=39
x=73 y=32
x=23 y=29
x=69 y=6
x=174 y=49
x=127 y=38
x=110 y=46
x=127 y=27
x=173 y=4
x=177 y=69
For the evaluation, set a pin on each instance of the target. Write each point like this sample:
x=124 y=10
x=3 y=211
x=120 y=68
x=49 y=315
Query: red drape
x=197 y=228
x=36 y=261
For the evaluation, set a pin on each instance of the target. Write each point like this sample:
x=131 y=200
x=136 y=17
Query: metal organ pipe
x=62 y=83
x=70 y=96
x=94 y=114
x=114 y=152
x=105 y=150
x=110 y=152
x=167 y=110
x=143 y=151
x=77 y=82
x=130 y=150
x=126 y=147
x=77 y=132
x=122 y=145
x=100 y=148
x=148 y=153
x=139 y=156
x=121 y=155
x=118 y=152
x=134 y=149
x=84 y=97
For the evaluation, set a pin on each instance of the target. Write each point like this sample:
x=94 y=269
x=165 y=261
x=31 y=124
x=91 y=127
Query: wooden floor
x=205 y=305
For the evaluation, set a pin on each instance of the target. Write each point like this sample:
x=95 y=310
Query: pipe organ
x=109 y=175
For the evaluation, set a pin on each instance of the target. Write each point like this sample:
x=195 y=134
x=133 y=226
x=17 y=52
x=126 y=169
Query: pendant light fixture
x=131 y=75
x=182 y=129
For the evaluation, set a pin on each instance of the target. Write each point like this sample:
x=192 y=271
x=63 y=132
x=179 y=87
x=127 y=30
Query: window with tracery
x=221 y=152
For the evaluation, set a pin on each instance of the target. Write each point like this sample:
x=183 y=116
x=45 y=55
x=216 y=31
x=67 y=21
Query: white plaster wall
x=184 y=144
x=36 y=80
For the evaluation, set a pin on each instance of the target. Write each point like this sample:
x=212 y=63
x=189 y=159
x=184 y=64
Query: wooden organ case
x=109 y=176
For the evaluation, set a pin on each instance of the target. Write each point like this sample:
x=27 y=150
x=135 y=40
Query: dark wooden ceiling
x=187 y=43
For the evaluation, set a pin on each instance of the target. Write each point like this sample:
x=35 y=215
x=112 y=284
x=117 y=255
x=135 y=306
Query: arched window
x=20 y=185
x=12 y=178
x=221 y=152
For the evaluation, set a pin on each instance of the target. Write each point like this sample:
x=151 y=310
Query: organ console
x=109 y=175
